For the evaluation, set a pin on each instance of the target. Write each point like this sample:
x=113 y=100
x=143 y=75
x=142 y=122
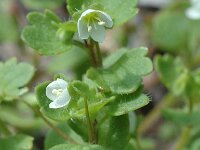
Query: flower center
x=94 y=20
x=57 y=92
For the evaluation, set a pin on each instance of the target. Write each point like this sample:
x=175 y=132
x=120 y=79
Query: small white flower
x=57 y=92
x=194 y=11
x=92 y=23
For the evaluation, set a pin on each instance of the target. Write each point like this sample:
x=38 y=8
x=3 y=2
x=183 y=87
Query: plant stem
x=137 y=141
x=185 y=135
x=98 y=54
x=57 y=130
x=91 y=131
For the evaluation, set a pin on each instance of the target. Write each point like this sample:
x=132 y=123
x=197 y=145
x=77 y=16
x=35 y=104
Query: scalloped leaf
x=14 y=76
x=123 y=71
x=41 y=33
x=127 y=103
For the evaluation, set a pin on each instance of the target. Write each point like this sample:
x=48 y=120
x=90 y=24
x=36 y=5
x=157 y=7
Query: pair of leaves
x=17 y=142
x=14 y=76
x=120 y=11
x=41 y=33
x=76 y=108
x=123 y=71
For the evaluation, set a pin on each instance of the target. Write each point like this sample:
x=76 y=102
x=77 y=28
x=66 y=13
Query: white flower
x=92 y=23
x=194 y=11
x=57 y=92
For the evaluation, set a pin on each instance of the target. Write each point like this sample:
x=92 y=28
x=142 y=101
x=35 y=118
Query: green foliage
x=76 y=108
x=182 y=117
x=14 y=76
x=76 y=147
x=41 y=33
x=42 y=4
x=17 y=142
x=121 y=11
x=127 y=103
x=51 y=141
x=114 y=133
x=123 y=71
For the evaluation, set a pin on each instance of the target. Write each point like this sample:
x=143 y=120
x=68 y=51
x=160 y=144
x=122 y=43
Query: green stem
x=98 y=54
x=185 y=135
x=57 y=130
x=137 y=141
x=155 y=114
x=90 y=126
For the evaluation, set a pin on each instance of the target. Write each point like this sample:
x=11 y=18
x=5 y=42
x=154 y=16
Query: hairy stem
x=98 y=54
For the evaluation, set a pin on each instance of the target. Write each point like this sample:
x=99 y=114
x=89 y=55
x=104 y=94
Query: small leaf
x=123 y=71
x=41 y=32
x=51 y=141
x=17 y=142
x=13 y=78
x=127 y=103
x=172 y=73
x=181 y=117
x=76 y=147
x=114 y=133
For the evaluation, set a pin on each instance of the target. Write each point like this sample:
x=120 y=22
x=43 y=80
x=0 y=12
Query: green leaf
x=14 y=76
x=114 y=133
x=121 y=11
x=51 y=141
x=76 y=147
x=42 y=4
x=123 y=71
x=41 y=33
x=8 y=28
x=182 y=117
x=76 y=108
x=170 y=30
x=127 y=103
x=17 y=142
x=172 y=73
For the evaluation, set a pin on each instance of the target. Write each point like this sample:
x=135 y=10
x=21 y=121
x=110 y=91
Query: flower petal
x=82 y=29
x=87 y=12
x=57 y=84
x=97 y=32
x=61 y=101
x=193 y=13
x=106 y=18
